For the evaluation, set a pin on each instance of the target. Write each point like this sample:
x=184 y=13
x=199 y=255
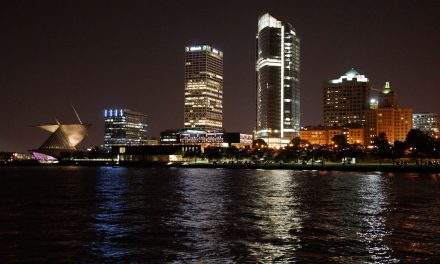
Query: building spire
x=387 y=98
x=387 y=88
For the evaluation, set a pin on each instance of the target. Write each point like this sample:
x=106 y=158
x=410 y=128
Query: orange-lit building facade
x=324 y=135
x=387 y=118
x=314 y=135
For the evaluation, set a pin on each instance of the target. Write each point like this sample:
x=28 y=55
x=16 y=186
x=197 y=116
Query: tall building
x=387 y=118
x=427 y=122
x=203 y=88
x=278 y=90
x=346 y=99
x=123 y=127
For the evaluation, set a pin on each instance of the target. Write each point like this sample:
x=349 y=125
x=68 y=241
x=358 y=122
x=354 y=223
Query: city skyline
x=54 y=53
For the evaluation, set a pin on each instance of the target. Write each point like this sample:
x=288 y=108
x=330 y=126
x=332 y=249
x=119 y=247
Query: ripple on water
x=191 y=215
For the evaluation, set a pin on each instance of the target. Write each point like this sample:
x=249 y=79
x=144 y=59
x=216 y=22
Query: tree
x=398 y=149
x=436 y=149
x=340 y=141
x=258 y=143
x=296 y=141
x=212 y=153
x=355 y=151
x=288 y=154
x=324 y=153
x=383 y=147
x=232 y=153
x=419 y=143
x=244 y=153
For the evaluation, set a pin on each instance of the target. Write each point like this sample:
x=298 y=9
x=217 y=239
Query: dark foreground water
x=157 y=215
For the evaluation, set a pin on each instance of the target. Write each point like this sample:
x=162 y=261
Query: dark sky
x=100 y=54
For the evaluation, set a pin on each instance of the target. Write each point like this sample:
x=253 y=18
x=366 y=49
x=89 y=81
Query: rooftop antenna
x=77 y=116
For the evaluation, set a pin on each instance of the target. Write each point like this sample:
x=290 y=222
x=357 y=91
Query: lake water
x=181 y=215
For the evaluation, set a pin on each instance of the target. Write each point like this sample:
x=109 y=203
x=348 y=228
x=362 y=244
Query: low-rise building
x=323 y=135
x=427 y=122
x=170 y=137
x=204 y=138
x=155 y=153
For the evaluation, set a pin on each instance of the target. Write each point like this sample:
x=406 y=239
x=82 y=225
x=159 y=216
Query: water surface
x=112 y=214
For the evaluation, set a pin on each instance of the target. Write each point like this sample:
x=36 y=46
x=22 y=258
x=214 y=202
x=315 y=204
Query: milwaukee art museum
x=63 y=139
x=278 y=91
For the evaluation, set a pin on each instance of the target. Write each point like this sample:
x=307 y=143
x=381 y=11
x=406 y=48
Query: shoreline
x=386 y=167
x=330 y=167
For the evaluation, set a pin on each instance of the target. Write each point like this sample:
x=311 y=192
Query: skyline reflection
x=374 y=194
x=99 y=215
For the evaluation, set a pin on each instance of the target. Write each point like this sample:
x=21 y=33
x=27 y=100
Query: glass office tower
x=203 y=88
x=278 y=91
x=428 y=123
x=124 y=127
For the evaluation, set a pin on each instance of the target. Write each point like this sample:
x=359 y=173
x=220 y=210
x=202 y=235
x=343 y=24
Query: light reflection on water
x=373 y=192
x=201 y=212
x=110 y=208
x=201 y=215
x=277 y=207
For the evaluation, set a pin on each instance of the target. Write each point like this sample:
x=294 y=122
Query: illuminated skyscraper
x=346 y=99
x=278 y=91
x=203 y=88
x=124 y=127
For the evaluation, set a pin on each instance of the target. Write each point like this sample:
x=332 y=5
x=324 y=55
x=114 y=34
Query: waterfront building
x=315 y=135
x=388 y=118
x=323 y=135
x=8 y=157
x=204 y=138
x=154 y=153
x=189 y=136
x=62 y=141
x=203 y=88
x=170 y=137
x=124 y=127
x=346 y=99
x=238 y=140
x=427 y=122
x=278 y=89
x=152 y=142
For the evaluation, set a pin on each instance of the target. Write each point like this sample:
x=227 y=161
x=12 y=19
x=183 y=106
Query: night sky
x=129 y=54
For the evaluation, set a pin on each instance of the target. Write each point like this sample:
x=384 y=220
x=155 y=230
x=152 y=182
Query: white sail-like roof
x=64 y=136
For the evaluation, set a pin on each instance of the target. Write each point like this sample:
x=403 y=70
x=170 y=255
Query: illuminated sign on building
x=195 y=48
